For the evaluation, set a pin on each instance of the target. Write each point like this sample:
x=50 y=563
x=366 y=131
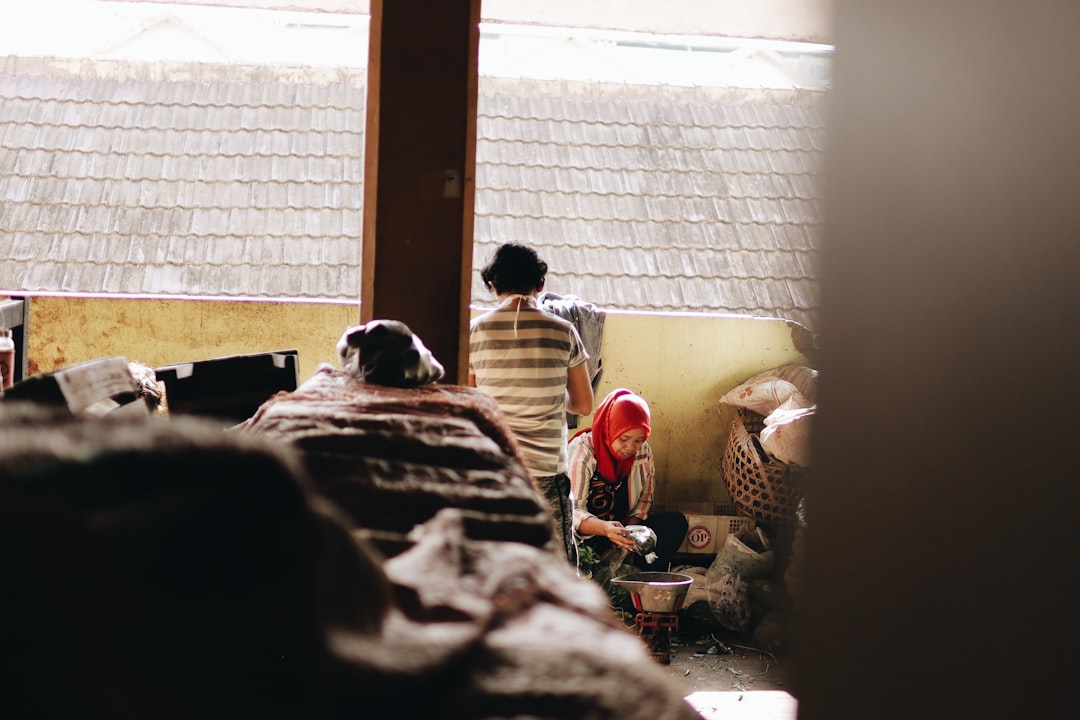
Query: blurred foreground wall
x=942 y=523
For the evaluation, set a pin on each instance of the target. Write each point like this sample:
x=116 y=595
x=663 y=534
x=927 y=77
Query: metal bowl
x=658 y=592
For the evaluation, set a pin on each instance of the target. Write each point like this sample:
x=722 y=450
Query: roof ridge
x=183 y=155
x=126 y=69
x=175 y=206
x=178 y=236
x=631 y=123
x=560 y=88
x=193 y=104
x=193 y=264
x=187 y=181
x=799 y=151
x=658 y=171
x=680 y=221
x=697 y=251
x=659 y=195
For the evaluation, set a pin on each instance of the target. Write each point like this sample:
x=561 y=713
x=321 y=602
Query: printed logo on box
x=698 y=536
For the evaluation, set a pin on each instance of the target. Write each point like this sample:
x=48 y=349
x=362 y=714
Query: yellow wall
x=65 y=331
x=682 y=364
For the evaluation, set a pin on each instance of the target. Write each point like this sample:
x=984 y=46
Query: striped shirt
x=521 y=357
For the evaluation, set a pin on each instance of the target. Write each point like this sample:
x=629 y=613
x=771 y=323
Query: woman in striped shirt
x=533 y=364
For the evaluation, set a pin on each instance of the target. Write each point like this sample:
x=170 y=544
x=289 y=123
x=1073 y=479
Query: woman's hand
x=617 y=534
x=613 y=530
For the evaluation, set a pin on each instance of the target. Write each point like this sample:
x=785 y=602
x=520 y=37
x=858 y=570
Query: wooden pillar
x=419 y=169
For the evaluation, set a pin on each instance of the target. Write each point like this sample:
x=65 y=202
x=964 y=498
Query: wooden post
x=419 y=170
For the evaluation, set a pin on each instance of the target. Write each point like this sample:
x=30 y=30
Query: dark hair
x=515 y=268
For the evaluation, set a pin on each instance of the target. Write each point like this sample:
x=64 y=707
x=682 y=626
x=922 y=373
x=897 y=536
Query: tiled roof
x=656 y=198
x=225 y=181
x=188 y=180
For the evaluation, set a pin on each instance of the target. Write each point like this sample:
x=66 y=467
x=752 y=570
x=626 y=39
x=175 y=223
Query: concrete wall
x=681 y=364
x=66 y=331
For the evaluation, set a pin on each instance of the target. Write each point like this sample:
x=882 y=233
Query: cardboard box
x=95 y=388
x=700 y=534
x=228 y=388
x=706 y=534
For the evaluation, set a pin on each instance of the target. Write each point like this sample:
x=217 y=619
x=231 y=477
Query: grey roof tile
x=803 y=292
x=165 y=278
x=218 y=181
x=76 y=276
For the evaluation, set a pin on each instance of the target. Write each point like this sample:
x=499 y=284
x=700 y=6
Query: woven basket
x=760 y=485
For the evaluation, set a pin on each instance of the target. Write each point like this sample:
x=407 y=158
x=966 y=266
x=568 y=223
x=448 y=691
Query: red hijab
x=619 y=412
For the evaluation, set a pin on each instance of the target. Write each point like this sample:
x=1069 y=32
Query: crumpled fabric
x=169 y=569
x=589 y=321
x=729 y=599
x=387 y=352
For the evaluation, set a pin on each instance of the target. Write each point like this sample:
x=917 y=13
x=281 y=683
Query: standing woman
x=613 y=477
x=533 y=364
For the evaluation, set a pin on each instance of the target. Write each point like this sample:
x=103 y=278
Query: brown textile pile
x=170 y=569
x=391 y=457
x=489 y=629
x=160 y=568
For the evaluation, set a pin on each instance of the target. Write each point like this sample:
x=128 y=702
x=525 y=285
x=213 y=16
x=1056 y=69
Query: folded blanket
x=393 y=457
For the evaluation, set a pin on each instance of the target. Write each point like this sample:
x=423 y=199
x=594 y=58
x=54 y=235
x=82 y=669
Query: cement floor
x=725 y=676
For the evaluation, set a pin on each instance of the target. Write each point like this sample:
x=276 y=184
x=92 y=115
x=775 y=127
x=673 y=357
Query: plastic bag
x=743 y=559
x=729 y=600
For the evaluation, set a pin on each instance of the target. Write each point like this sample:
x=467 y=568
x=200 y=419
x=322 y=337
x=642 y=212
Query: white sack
x=786 y=435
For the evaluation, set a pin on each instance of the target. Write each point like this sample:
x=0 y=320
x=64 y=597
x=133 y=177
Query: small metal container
x=656 y=592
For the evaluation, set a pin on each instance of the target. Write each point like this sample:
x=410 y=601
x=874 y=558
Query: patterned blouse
x=582 y=466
